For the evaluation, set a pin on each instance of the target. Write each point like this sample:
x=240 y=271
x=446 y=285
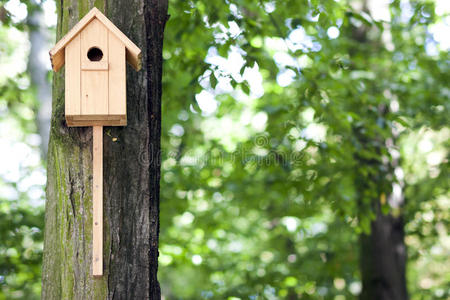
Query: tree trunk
x=383 y=251
x=131 y=173
x=383 y=259
x=39 y=38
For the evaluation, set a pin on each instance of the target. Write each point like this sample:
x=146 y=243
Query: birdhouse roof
x=57 y=53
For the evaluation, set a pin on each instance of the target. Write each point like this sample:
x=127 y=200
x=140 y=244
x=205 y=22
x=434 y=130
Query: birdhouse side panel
x=117 y=77
x=94 y=69
x=72 y=78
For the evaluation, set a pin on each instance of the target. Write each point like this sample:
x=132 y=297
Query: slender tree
x=382 y=250
x=39 y=37
x=131 y=173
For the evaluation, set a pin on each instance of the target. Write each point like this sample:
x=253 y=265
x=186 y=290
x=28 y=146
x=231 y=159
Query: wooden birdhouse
x=94 y=52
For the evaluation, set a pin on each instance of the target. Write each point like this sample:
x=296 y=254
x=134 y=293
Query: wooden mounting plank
x=97 y=206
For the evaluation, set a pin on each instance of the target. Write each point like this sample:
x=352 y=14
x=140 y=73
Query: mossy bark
x=131 y=173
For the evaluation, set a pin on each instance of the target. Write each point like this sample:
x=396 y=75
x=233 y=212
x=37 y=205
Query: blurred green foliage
x=22 y=175
x=268 y=109
x=263 y=190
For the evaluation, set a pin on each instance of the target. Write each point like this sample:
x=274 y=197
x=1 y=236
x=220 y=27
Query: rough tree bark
x=131 y=173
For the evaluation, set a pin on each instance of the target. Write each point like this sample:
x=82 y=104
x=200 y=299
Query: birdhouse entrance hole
x=95 y=54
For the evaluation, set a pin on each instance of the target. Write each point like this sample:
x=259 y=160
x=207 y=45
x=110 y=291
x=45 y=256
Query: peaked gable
x=57 y=53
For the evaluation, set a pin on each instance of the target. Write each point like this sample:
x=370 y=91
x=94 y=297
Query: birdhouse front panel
x=94 y=69
x=95 y=65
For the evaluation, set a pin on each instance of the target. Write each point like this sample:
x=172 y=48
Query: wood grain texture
x=88 y=123
x=131 y=207
x=95 y=66
x=94 y=93
x=57 y=60
x=97 y=196
x=117 y=81
x=94 y=84
x=72 y=91
x=96 y=117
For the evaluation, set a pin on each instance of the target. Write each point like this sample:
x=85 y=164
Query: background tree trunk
x=383 y=250
x=131 y=173
x=39 y=40
x=383 y=259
